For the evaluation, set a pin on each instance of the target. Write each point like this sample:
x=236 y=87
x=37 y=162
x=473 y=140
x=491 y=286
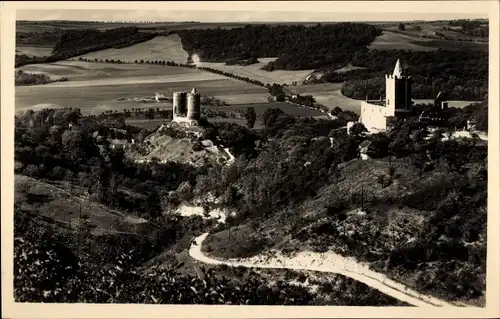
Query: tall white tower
x=397 y=90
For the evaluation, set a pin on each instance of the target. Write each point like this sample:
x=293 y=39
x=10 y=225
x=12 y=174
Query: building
x=365 y=149
x=187 y=107
x=433 y=117
x=397 y=103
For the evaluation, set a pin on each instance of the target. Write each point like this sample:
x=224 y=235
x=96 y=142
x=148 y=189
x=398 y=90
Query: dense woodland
x=463 y=74
x=298 y=47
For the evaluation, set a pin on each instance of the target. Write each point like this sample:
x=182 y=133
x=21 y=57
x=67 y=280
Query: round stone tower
x=193 y=105
x=179 y=104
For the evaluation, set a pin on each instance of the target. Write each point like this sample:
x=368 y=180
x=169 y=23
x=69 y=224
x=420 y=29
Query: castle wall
x=374 y=117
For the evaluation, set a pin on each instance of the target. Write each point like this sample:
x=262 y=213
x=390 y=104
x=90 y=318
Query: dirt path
x=331 y=263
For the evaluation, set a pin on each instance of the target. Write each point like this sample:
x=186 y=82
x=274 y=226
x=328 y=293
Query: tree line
x=78 y=42
x=297 y=47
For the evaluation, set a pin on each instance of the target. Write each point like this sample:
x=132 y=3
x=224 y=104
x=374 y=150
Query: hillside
x=410 y=208
x=165 y=147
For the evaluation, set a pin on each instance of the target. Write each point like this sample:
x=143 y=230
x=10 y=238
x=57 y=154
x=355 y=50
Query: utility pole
x=362 y=198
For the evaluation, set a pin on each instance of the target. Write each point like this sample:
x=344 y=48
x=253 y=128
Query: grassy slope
x=309 y=226
x=58 y=206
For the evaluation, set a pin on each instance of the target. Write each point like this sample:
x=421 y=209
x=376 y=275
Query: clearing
x=161 y=48
x=254 y=72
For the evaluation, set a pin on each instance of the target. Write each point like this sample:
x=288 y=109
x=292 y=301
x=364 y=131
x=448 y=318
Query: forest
x=297 y=47
x=463 y=74
x=72 y=43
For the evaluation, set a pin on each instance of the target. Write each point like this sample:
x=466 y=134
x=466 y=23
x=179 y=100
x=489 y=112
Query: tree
x=401 y=26
x=251 y=117
x=150 y=114
x=271 y=115
x=358 y=129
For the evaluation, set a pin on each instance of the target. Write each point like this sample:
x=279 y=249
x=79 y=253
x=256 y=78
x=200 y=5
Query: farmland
x=96 y=87
x=254 y=71
x=159 y=48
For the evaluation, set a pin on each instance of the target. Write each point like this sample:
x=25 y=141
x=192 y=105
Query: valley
x=277 y=193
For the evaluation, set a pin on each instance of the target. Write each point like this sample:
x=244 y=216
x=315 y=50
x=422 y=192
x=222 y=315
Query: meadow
x=163 y=48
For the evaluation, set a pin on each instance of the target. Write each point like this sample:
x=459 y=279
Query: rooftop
x=398 y=70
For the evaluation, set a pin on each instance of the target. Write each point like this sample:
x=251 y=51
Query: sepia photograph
x=172 y=155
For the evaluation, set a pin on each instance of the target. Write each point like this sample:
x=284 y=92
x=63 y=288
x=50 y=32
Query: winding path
x=333 y=264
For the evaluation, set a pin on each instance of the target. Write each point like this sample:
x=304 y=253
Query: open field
x=254 y=72
x=105 y=97
x=396 y=41
x=81 y=71
x=95 y=86
x=34 y=50
x=160 y=48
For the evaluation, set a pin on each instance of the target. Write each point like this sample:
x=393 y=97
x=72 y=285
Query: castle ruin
x=187 y=107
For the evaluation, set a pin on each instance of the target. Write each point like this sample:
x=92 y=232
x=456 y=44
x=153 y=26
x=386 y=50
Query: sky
x=259 y=12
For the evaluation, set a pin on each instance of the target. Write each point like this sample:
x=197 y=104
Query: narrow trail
x=332 y=264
